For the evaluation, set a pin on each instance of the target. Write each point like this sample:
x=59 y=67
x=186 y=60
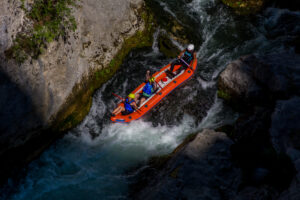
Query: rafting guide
x=156 y=86
x=184 y=59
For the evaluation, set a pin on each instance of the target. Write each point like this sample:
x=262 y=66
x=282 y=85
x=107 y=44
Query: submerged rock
x=201 y=169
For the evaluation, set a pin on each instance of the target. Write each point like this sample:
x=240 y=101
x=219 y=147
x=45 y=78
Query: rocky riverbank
x=265 y=90
x=198 y=169
x=46 y=95
x=255 y=158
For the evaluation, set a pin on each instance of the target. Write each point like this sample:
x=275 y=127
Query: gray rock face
x=237 y=80
x=269 y=87
x=48 y=81
x=260 y=81
x=201 y=170
x=35 y=91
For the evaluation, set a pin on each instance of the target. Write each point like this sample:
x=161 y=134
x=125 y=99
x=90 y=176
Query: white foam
x=139 y=133
x=206 y=84
x=155 y=41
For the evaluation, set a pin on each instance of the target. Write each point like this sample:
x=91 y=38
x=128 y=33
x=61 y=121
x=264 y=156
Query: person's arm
x=147 y=75
x=194 y=56
x=133 y=104
x=154 y=86
x=181 y=53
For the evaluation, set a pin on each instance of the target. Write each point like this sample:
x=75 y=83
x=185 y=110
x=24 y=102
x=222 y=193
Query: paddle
x=189 y=66
x=118 y=96
x=158 y=84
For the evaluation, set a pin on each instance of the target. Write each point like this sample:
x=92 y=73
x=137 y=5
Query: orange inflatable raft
x=165 y=85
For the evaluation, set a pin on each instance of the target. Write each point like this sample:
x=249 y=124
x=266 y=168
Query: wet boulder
x=252 y=80
x=200 y=169
x=237 y=85
x=167 y=47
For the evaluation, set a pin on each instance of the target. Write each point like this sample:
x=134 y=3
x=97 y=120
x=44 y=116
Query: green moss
x=222 y=94
x=78 y=104
x=245 y=7
x=167 y=47
x=51 y=19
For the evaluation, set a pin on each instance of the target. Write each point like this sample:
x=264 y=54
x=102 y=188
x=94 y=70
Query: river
x=92 y=160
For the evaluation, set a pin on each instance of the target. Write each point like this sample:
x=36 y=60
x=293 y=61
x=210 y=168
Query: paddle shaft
x=158 y=85
x=118 y=96
x=189 y=66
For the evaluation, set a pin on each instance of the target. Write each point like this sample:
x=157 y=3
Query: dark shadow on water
x=21 y=137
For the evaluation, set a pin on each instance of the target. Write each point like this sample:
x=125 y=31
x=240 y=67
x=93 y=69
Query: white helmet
x=190 y=47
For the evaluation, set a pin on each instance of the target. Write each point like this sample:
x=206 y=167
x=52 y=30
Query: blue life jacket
x=187 y=56
x=128 y=107
x=148 y=90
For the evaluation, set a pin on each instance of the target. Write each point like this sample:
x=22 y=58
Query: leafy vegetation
x=51 y=19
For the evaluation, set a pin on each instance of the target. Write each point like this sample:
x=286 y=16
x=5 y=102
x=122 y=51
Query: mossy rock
x=224 y=95
x=232 y=100
x=179 y=31
x=167 y=47
x=51 y=20
x=79 y=102
x=245 y=7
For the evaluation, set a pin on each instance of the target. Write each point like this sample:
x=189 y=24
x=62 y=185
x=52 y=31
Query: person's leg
x=137 y=98
x=142 y=101
x=176 y=62
x=121 y=110
x=183 y=66
x=117 y=110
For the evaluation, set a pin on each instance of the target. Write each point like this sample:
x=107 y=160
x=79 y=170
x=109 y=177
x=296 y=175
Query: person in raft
x=129 y=106
x=184 y=59
x=148 y=89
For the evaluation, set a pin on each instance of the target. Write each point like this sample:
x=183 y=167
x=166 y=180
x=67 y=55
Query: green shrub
x=51 y=19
